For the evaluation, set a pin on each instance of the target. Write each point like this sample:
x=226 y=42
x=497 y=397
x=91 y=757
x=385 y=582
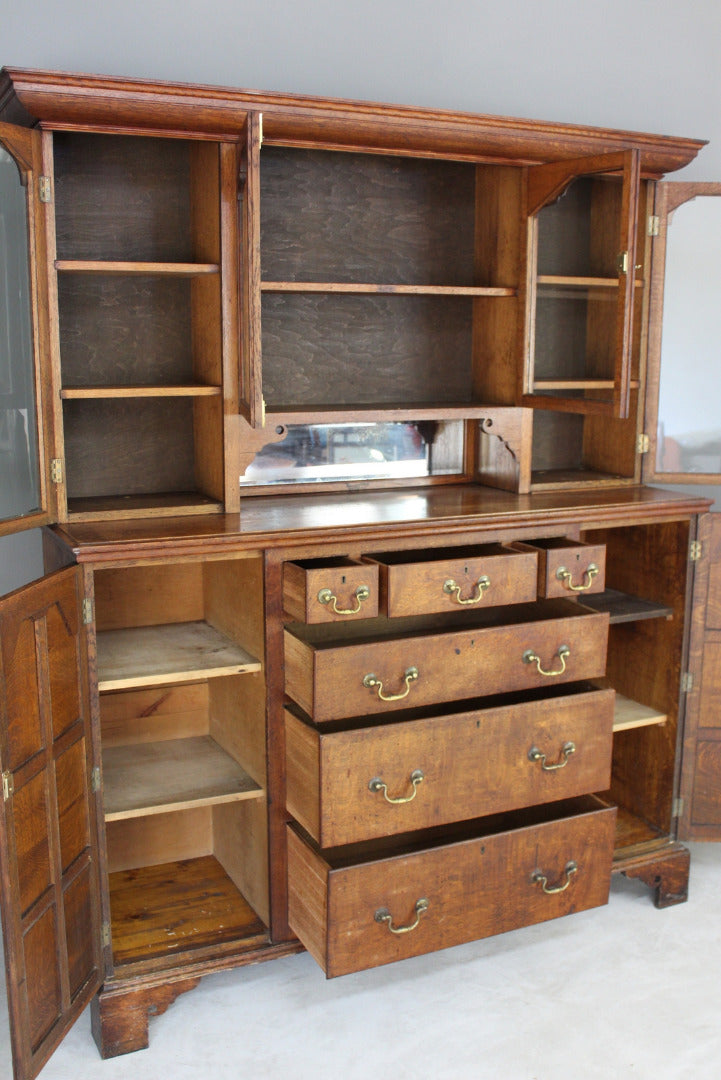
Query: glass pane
x=311 y=453
x=19 y=465
x=689 y=403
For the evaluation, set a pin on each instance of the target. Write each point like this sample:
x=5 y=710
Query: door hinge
x=95 y=780
x=105 y=935
x=622 y=263
x=45 y=189
x=695 y=550
x=88 y=614
x=260 y=129
x=643 y=443
x=56 y=470
x=687 y=682
x=8 y=786
x=262 y=412
x=677 y=809
x=654 y=225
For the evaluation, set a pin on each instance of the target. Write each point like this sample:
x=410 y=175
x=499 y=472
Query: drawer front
x=366 y=783
x=330 y=590
x=449 y=895
x=335 y=681
x=568 y=568
x=424 y=583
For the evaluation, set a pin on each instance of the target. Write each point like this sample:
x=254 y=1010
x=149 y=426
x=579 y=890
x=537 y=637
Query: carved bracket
x=504 y=455
x=665 y=871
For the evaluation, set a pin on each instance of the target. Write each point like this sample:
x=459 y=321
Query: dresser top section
x=57 y=99
x=467 y=513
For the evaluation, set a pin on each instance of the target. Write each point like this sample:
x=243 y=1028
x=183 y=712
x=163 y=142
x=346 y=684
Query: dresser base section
x=121 y=1011
x=665 y=870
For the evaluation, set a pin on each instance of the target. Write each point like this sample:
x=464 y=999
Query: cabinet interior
x=182 y=711
x=138 y=264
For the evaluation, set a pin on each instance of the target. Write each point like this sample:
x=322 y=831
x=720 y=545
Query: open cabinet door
x=251 y=396
x=49 y=879
x=700 y=788
x=27 y=495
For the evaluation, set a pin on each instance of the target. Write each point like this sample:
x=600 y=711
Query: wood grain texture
x=339 y=349
x=149 y=595
x=303 y=581
x=475 y=888
x=138 y=842
x=170 y=712
x=473 y=763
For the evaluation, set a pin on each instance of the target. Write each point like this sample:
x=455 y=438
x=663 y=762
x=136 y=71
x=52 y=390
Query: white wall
x=650 y=65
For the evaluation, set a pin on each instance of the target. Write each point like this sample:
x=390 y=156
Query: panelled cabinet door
x=26 y=492
x=49 y=880
x=251 y=398
x=683 y=398
x=700 y=802
x=582 y=285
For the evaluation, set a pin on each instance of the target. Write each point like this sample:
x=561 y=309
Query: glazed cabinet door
x=251 y=397
x=582 y=284
x=50 y=892
x=25 y=491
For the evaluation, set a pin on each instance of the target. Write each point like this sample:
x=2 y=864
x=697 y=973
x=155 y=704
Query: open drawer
x=356 y=909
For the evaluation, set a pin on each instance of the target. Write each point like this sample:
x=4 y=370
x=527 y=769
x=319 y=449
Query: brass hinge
x=95 y=780
x=643 y=443
x=622 y=263
x=262 y=412
x=260 y=129
x=8 y=786
x=56 y=470
x=695 y=550
x=88 y=613
x=654 y=225
x=687 y=682
x=45 y=189
x=105 y=935
x=677 y=809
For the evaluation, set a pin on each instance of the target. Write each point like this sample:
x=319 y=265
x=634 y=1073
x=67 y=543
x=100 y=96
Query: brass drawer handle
x=372 y=682
x=384 y=915
x=540 y=879
x=529 y=657
x=534 y=754
x=589 y=574
x=454 y=590
x=378 y=785
x=325 y=596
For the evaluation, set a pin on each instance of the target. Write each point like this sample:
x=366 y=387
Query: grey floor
x=622 y=991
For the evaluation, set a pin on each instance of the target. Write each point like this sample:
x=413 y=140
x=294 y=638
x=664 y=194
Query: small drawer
x=404 y=664
x=358 y=784
x=356 y=909
x=330 y=590
x=568 y=567
x=452 y=579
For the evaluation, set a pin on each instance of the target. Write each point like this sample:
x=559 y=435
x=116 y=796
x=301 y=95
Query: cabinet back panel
x=128 y=448
x=122 y=197
x=148 y=595
x=124 y=331
x=329 y=216
x=557 y=441
x=578 y=234
x=346 y=350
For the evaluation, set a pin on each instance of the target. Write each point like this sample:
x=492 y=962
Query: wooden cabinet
x=354 y=595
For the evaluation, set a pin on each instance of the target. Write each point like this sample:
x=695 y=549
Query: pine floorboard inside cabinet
x=159 y=910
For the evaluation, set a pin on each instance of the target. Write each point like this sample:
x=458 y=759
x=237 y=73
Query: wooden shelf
x=98 y=266
x=632 y=830
x=94 y=392
x=632 y=714
x=155 y=778
x=579 y=384
x=382 y=413
x=570 y=281
x=623 y=607
x=161 y=504
x=378 y=289
x=163 y=655
x=176 y=906
x=559 y=479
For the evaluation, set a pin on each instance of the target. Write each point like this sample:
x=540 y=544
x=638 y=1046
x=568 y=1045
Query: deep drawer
x=361 y=783
x=330 y=590
x=336 y=676
x=420 y=583
x=507 y=875
x=568 y=567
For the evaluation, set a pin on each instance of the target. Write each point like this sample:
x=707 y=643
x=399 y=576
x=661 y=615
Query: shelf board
x=560 y=479
x=380 y=413
x=155 y=778
x=622 y=607
x=573 y=384
x=632 y=714
x=168 y=269
x=163 y=655
x=176 y=906
x=154 y=504
x=631 y=831
x=580 y=282
x=74 y=393
x=376 y=289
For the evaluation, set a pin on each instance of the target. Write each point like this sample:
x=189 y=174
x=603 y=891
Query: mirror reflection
x=689 y=405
